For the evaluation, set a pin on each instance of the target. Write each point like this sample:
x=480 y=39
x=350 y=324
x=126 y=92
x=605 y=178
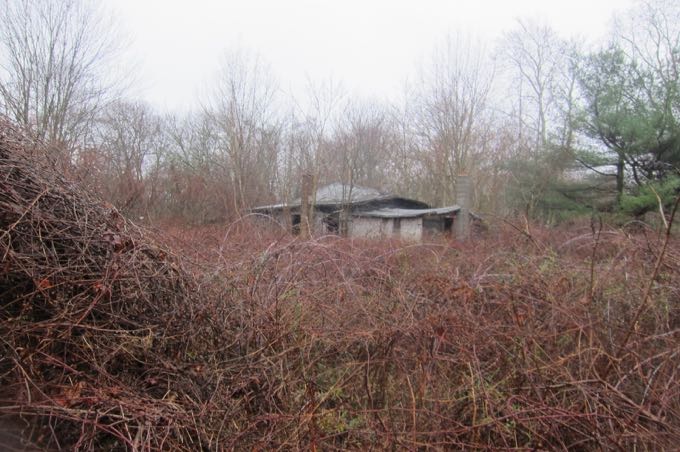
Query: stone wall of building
x=371 y=228
x=411 y=229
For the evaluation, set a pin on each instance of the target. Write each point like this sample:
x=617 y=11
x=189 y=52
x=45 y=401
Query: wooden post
x=462 y=220
x=305 y=211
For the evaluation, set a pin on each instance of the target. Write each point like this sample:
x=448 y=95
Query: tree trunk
x=620 y=166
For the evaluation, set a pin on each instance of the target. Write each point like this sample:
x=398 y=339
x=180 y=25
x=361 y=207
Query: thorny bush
x=564 y=339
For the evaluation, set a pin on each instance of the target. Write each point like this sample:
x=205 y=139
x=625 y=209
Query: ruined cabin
x=356 y=211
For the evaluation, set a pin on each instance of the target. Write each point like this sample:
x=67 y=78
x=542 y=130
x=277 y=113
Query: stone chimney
x=462 y=220
x=305 y=210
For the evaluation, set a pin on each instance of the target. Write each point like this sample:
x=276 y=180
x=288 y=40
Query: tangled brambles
x=96 y=320
x=566 y=340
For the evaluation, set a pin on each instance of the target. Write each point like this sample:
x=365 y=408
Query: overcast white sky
x=371 y=46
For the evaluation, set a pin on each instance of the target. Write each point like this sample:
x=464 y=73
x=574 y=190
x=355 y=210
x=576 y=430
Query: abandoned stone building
x=356 y=211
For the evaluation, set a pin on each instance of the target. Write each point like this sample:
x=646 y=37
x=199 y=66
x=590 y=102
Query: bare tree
x=51 y=77
x=131 y=138
x=541 y=70
x=536 y=57
x=247 y=127
x=649 y=33
x=453 y=112
x=405 y=162
x=311 y=129
x=196 y=182
x=362 y=147
x=649 y=36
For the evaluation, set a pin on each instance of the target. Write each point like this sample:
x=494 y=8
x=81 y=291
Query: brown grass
x=254 y=340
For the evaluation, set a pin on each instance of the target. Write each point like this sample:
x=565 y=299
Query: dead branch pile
x=97 y=322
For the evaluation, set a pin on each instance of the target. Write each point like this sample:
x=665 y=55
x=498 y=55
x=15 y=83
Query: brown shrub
x=263 y=341
x=504 y=342
x=97 y=320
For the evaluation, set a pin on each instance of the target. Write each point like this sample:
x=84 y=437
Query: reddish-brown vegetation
x=565 y=340
x=504 y=342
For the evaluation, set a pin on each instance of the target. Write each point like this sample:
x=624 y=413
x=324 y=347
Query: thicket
x=539 y=339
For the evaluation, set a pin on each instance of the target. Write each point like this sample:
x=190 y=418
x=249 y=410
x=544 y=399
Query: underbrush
x=561 y=340
x=113 y=337
x=558 y=340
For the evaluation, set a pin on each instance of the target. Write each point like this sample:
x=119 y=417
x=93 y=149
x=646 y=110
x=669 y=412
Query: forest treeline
x=546 y=126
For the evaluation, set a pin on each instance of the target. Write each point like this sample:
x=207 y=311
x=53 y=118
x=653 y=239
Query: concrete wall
x=370 y=227
x=411 y=229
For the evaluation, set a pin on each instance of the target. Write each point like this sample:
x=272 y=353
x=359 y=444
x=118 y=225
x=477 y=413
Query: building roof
x=337 y=193
x=407 y=213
